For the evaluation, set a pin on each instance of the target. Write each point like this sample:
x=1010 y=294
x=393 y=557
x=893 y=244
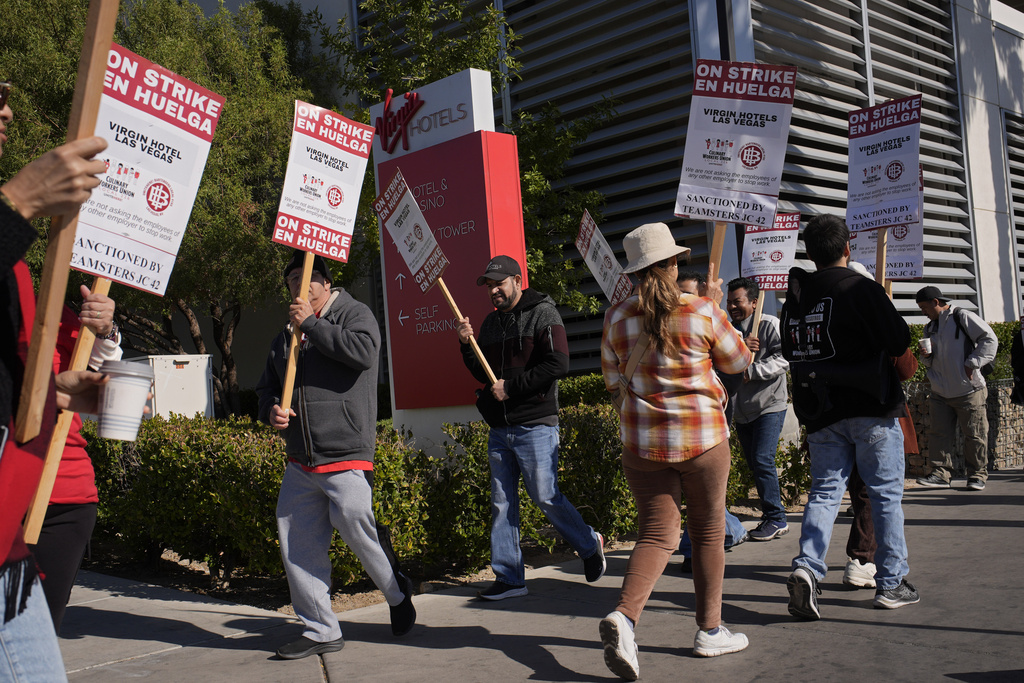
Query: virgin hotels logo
x=394 y=125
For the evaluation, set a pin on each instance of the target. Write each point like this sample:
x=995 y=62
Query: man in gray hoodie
x=330 y=437
x=961 y=345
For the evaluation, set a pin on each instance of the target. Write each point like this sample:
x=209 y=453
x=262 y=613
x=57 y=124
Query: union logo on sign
x=751 y=155
x=418 y=230
x=894 y=170
x=335 y=196
x=159 y=196
x=900 y=232
x=776 y=256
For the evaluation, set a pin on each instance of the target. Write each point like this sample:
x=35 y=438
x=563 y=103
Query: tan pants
x=971 y=412
x=658 y=488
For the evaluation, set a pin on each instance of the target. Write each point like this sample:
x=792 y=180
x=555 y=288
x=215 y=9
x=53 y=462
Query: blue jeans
x=876 y=445
x=28 y=644
x=533 y=451
x=760 y=442
x=734 y=531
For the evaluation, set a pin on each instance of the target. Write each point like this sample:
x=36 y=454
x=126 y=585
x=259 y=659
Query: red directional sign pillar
x=468 y=190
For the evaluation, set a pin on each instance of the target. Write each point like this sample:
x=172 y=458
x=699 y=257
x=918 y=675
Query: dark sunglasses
x=5 y=91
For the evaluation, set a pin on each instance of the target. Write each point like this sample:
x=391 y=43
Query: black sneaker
x=769 y=530
x=803 y=594
x=894 y=598
x=403 y=615
x=304 y=647
x=594 y=566
x=933 y=481
x=975 y=484
x=500 y=591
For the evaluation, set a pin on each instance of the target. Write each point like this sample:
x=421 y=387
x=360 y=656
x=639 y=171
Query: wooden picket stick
x=293 y=348
x=472 y=340
x=99 y=33
x=717 y=247
x=881 y=246
x=757 y=314
x=79 y=361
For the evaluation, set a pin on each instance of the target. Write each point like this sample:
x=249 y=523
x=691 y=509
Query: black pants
x=861 y=545
x=59 y=552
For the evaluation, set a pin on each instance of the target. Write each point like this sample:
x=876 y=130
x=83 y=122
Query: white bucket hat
x=649 y=244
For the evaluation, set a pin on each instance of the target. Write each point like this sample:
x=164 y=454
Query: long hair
x=659 y=297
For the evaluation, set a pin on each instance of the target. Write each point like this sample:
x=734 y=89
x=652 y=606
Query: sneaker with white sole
x=721 y=643
x=933 y=481
x=500 y=590
x=768 y=530
x=859 y=574
x=975 y=484
x=803 y=594
x=619 y=647
x=900 y=596
x=595 y=565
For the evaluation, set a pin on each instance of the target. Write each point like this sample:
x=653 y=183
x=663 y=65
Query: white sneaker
x=858 y=574
x=619 y=647
x=722 y=643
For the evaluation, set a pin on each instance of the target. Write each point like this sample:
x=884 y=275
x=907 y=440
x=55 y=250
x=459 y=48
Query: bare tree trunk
x=225 y=321
x=139 y=333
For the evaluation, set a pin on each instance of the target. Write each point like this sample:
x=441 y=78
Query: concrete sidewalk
x=966 y=555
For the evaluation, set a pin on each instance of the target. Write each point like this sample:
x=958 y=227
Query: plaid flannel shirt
x=675 y=407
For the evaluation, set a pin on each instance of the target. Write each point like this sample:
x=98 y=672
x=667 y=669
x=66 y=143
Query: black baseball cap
x=319 y=264
x=930 y=292
x=500 y=268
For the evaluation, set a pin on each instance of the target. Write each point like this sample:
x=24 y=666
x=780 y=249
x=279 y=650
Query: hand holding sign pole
x=85 y=106
x=401 y=215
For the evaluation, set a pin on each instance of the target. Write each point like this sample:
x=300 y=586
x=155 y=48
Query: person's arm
x=353 y=341
x=59 y=181
x=771 y=364
x=609 y=357
x=984 y=339
x=728 y=353
x=268 y=389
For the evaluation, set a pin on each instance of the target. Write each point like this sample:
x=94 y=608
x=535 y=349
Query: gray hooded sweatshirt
x=946 y=364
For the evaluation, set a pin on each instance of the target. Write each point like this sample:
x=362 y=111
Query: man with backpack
x=958 y=348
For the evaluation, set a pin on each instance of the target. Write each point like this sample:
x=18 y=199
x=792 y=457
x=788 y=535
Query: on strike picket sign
x=736 y=142
x=158 y=128
x=904 y=254
x=768 y=252
x=400 y=213
x=885 y=146
x=601 y=260
x=326 y=164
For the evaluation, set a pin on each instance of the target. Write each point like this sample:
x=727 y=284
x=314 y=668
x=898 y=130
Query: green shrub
x=583 y=389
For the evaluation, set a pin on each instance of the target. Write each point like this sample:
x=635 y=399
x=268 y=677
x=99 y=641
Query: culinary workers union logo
x=159 y=196
x=776 y=256
x=894 y=170
x=418 y=230
x=900 y=232
x=751 y=155
x=335 y=196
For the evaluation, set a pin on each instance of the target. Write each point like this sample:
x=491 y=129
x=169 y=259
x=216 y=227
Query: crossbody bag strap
x=642 y=342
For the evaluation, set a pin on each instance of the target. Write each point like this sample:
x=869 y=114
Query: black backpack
x=969 y=344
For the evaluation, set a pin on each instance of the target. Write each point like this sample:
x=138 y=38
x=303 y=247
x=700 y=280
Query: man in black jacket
x=330 y=436
x=524 y=342
x=839 y=332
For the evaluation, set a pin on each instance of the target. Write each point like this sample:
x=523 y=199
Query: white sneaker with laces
x=722 y=643
x=619 y=647
x=858 y=574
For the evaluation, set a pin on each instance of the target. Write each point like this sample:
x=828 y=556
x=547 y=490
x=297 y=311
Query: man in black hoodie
x=839 y=332
x=524 y=343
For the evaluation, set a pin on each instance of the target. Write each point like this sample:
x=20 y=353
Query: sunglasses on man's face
x=5 y=90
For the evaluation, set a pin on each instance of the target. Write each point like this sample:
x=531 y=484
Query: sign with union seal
x=768 y=253
x=736 y=142
x=601 y=260
x=885 y=148
x=158 y=127
x=320 y=198
x=904 y=254
x=400 y=213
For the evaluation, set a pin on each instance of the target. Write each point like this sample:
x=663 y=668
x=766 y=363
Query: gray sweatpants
x=309 y=508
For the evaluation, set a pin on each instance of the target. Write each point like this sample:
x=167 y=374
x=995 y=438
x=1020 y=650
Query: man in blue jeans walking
x=759 y=404
x=524 y=342
x=840 y=333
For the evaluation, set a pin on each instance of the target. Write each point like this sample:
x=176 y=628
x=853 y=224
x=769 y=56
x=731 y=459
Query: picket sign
x=99 y=33
x=293 y=346
x=79 y=361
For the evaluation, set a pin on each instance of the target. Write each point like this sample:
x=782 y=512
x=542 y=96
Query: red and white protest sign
x=158 y=128
x=736 y=142
x=401 y=215
x=601 y=260
x=904 y=254
x=885 y=148
x=326 y=164
x=768 y=253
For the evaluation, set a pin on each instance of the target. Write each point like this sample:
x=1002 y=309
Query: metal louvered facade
x=1014 y=131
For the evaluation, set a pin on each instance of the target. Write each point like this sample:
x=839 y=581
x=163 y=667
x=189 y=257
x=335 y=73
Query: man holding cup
x=956 y=348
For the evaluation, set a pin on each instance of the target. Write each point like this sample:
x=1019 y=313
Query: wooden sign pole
x=99 y=33
x=472 y=341
x=717 y=247
x=880 y=252
x=79 y=361
x=293 y=348
x=757 y=314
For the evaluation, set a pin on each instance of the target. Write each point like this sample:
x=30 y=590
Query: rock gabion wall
x=1005 y=429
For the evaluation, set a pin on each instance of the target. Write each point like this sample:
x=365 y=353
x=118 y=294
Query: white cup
x=123 y=398
x=926 y=345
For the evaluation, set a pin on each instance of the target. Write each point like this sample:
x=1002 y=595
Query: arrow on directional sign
x=402 y=318
x=400 y=277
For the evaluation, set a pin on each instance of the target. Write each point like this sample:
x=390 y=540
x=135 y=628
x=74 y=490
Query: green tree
x=227 y=261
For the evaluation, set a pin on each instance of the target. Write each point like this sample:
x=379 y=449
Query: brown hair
x=659 y=297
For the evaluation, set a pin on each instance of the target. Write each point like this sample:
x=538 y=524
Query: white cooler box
x=183 y=384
